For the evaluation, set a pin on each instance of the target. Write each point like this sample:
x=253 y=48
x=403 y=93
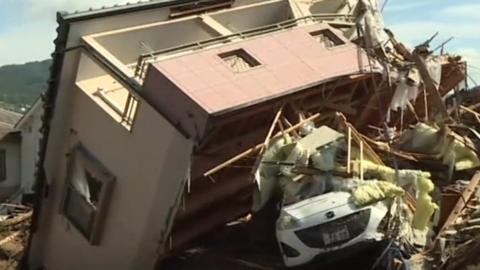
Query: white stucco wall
x=30 y=133
x=149 y=164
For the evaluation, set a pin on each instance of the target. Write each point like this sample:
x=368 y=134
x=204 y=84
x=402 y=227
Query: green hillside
x=20 y=85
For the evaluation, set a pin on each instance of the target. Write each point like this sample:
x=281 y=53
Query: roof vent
x=327 y=38
x=239 y=60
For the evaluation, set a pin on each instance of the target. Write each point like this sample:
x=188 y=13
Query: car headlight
x=287 y=222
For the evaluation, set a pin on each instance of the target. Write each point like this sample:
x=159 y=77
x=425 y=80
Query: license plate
x=339 y=235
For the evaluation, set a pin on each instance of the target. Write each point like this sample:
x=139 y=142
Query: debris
x=375 y=191
x=370 y=147
x=14 y=232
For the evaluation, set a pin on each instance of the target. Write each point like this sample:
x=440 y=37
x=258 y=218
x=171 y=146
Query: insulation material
x=325 y=160
x=373 y=191
x=405 y=177
x=430 y=140
x=422 y=138
x=434 y=66
x=297 y=155
x=407 y=90
x=265 y=175
x=403 y=94
x=284 y=154
x=425 y=206
x=306 y=187
x=464 y=157
x=306 y=128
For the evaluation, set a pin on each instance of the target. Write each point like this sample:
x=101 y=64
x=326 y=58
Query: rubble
x=14 y=233
x=370 y=163
x=396 y=165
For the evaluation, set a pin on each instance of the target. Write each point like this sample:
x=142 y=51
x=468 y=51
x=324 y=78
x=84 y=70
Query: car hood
x=317 y=205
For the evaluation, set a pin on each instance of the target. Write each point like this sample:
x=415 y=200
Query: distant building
x=10 y=143
x=19 y=140
x=145 y=98
x=29 y=127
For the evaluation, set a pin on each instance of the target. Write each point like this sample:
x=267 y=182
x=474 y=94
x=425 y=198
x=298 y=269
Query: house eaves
x=26 y=116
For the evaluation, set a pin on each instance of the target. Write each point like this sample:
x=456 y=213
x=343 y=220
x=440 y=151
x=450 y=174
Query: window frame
x=334 y=38
x=94 y=229
x=246 y=56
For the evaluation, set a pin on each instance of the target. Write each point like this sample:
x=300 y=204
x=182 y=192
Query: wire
x=384 y=5
x=472 y=66
x=471 y=79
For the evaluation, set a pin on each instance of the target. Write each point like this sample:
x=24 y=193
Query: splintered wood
x=256 y=148
x=14 y=233
x=461 y=203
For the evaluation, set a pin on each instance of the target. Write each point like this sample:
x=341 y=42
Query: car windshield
x=306 y=187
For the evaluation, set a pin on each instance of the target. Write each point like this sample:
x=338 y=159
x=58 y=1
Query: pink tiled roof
x=290 y=61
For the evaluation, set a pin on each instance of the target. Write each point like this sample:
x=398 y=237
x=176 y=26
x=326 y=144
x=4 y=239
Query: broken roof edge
x=118 y=9
x=298 y=90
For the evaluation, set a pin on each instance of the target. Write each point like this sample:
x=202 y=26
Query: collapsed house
x=167 y=122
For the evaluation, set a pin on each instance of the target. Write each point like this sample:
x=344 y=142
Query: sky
x=27 y=27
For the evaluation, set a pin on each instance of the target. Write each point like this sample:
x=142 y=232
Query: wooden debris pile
x=14 y=233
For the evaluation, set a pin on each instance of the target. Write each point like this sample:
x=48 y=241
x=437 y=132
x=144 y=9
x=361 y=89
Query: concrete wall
x=11 y=144
x=149 y=164
x=126 y=46
x=255 y=16
x=142 y=197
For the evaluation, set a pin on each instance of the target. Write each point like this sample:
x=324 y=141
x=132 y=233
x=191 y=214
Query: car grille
x=336 y=232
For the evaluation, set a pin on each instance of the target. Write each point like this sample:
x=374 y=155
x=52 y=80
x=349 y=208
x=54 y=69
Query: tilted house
x=147 y=97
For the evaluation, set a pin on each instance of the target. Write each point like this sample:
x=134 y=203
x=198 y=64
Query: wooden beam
x=358 y=137
x=475 y=114
x=272 y=128
x=371 y=104
x=434 y=97
x=266 y=142
x=256 y=148
x=457 y=210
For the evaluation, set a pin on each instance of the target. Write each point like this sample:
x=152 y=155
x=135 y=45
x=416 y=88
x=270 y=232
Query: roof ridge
x=119 y=8
x=107 y=7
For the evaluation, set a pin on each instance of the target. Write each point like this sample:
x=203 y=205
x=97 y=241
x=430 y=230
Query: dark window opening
x=94 y=186
x=3 y=165
x=239 y=60
x=327 y=38
x=89 y=186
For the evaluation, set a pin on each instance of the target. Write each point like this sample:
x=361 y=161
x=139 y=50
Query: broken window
x=87 y=194
x=327 y=38
x=3 y=164
x=239 y=60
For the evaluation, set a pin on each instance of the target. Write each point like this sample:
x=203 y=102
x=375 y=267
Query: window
x=88 y=190
x=327 y=38
x=239 y=60
x=3 y=165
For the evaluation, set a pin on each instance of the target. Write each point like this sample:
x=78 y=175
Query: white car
x=325 y=223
